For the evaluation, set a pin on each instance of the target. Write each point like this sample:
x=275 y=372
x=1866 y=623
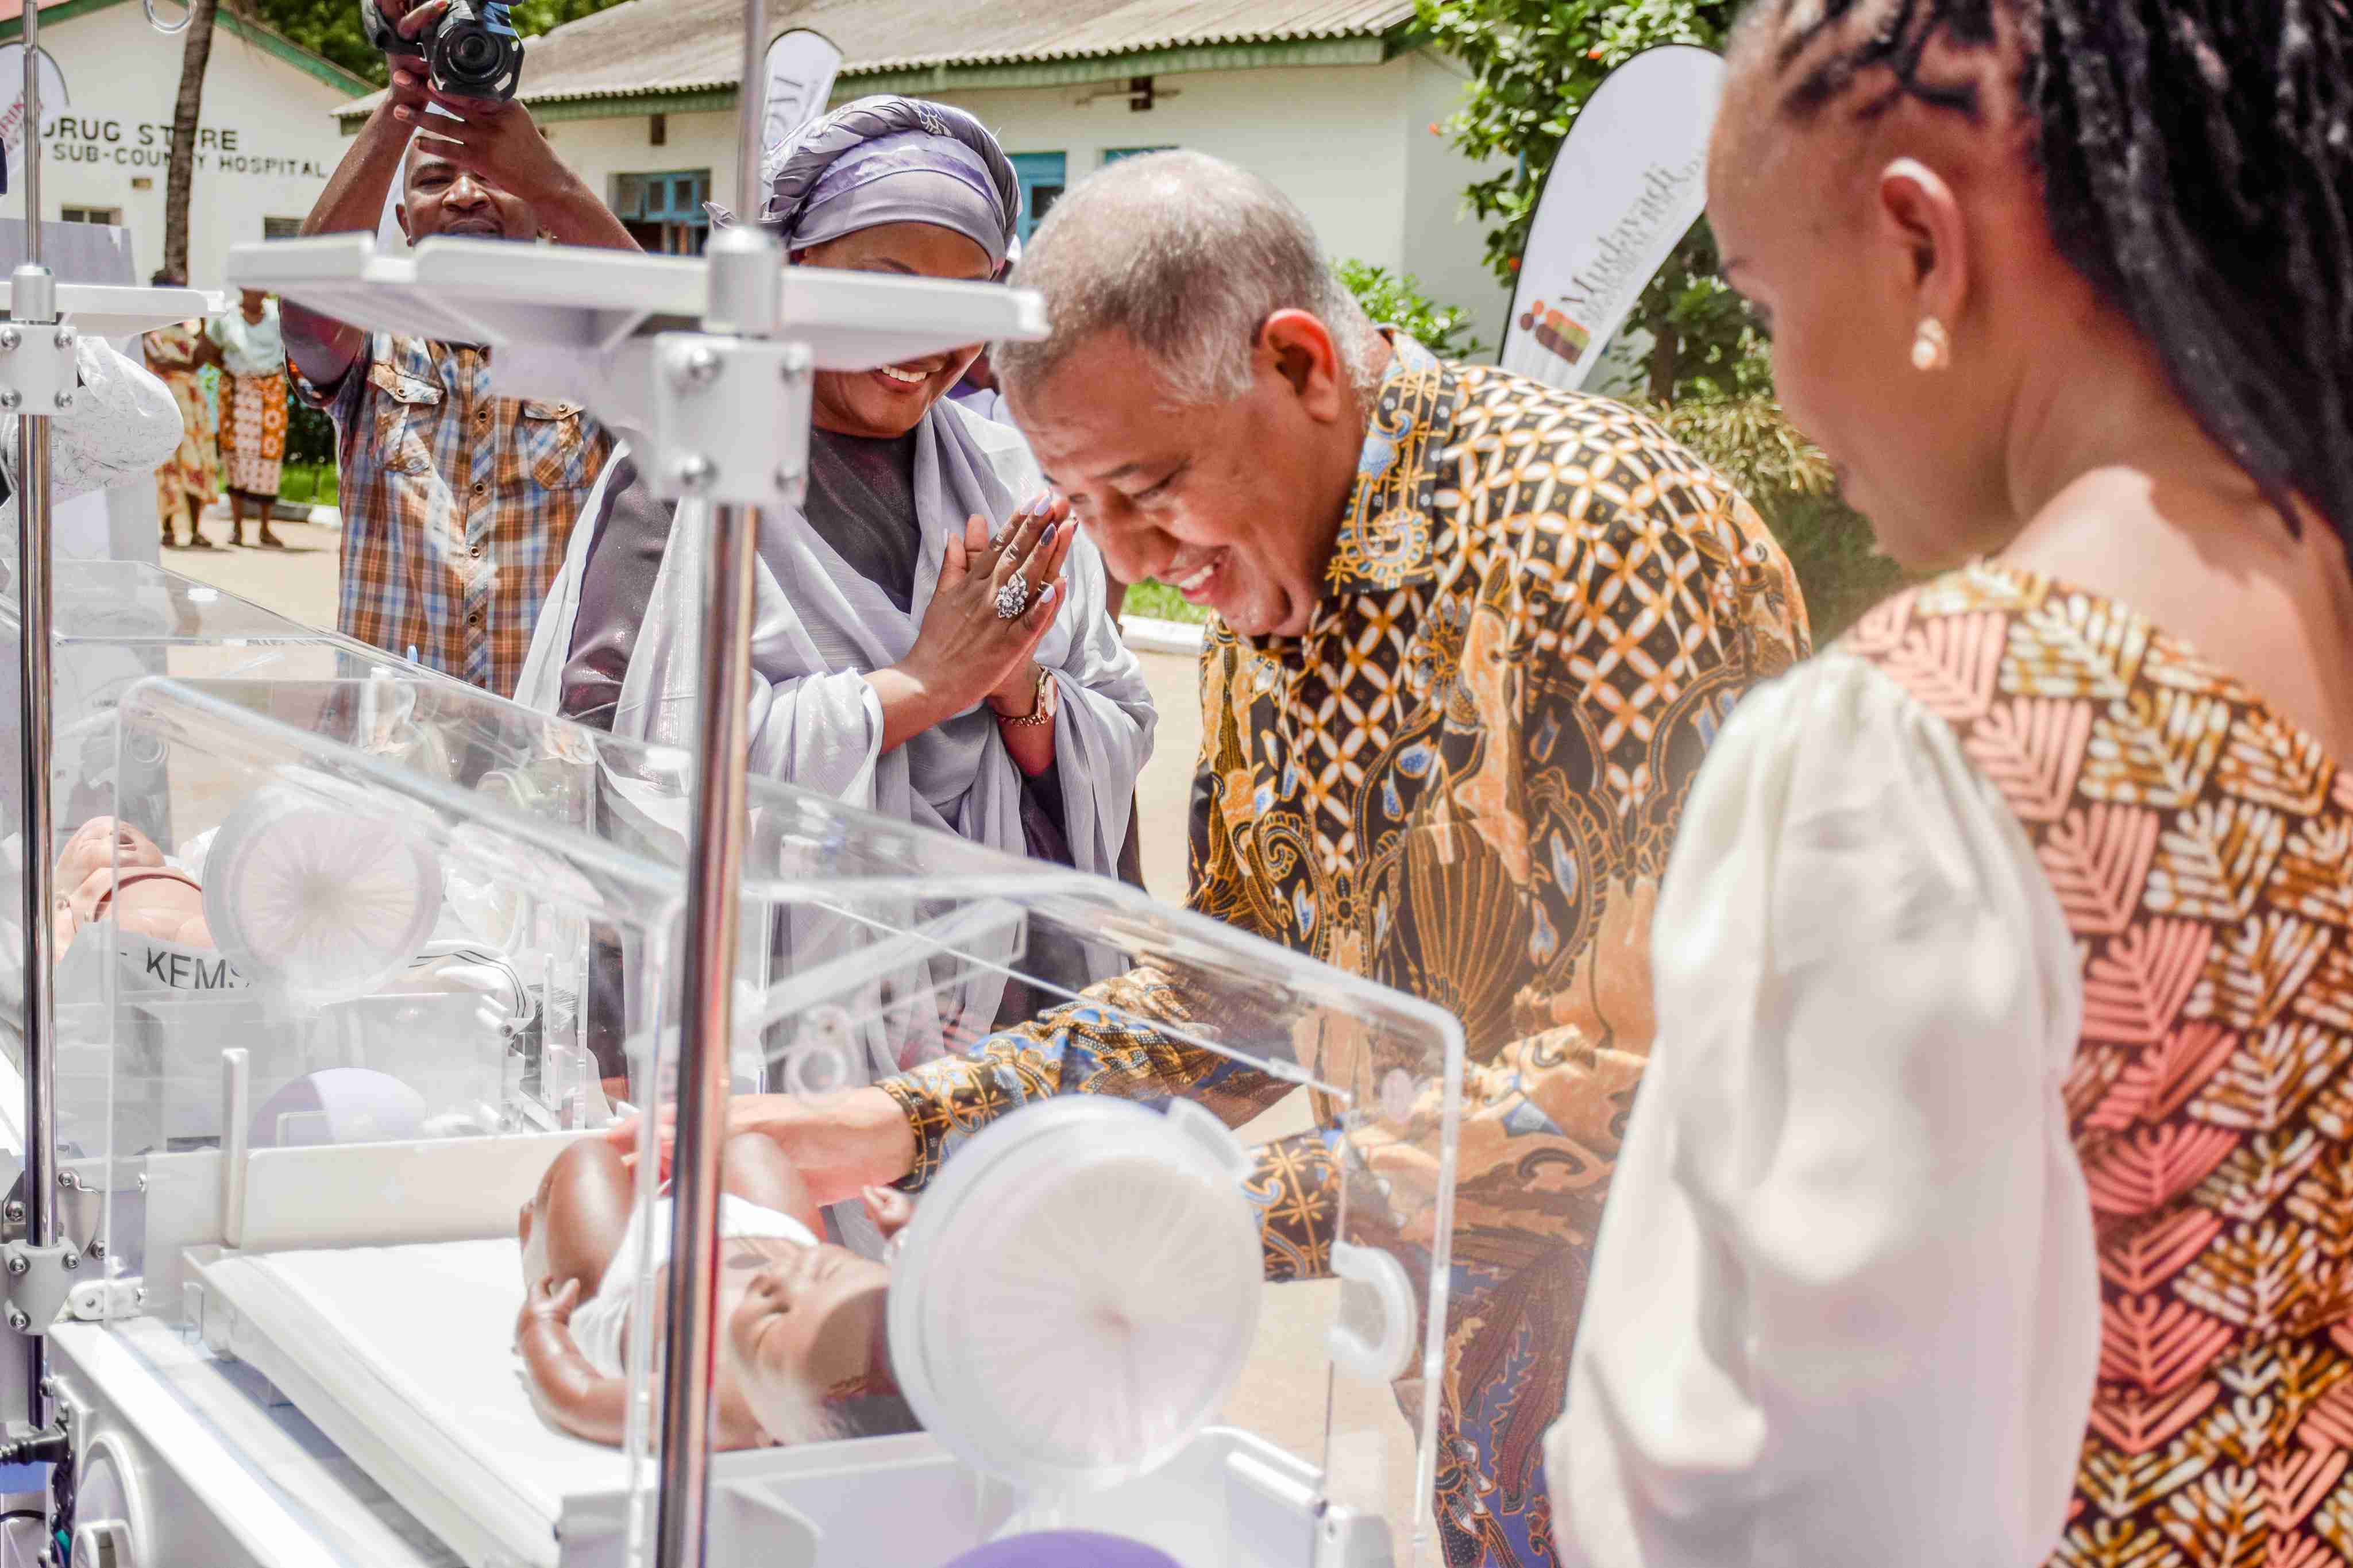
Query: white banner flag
x=12 y=117
x=1629 y=183
x=801 y=67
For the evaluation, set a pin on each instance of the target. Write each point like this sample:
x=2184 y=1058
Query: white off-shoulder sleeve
x=1844 y=1307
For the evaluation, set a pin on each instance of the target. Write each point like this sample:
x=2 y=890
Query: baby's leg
x=574 y=1225
x=753 y=1169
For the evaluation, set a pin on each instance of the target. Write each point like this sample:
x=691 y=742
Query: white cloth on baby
x=597 y=1323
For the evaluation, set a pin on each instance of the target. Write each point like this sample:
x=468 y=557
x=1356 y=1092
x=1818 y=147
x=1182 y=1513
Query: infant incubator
x=297 y=1192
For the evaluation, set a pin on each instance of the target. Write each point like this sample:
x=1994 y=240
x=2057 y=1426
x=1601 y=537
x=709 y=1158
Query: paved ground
x=1283 y=1393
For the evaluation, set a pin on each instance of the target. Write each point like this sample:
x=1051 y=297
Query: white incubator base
x=411 y=1441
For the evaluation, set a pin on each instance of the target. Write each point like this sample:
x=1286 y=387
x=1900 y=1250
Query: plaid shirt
x=457 y=505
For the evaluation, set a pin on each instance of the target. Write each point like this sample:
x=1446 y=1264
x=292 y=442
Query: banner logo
x=1629 y=180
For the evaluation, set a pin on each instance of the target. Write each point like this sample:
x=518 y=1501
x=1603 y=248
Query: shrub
x=1399 y=302
x=310 y=434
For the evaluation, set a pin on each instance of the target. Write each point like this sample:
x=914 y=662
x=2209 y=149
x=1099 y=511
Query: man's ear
x=1298 y=348
x=400 y=216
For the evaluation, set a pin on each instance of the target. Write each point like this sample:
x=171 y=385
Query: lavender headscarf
x=891 y=160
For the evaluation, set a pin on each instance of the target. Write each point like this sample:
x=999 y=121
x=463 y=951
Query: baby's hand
x=547 y=1307
x=889 y=1208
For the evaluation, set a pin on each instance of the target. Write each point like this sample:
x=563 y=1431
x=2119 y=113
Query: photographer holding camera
x=457 y=505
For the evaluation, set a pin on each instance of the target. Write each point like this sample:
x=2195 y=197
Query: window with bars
x=281 y=228
x=663 y=211
x=1043 y=176
x=91 y=215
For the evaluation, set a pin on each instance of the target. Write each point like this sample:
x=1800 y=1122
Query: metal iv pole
x=746 y=305
x=34 y=313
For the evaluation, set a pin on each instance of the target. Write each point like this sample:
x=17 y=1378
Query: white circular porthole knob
x=102 y=1543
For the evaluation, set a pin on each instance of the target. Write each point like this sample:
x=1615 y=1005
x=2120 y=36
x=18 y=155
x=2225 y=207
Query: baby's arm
x=571 y=1393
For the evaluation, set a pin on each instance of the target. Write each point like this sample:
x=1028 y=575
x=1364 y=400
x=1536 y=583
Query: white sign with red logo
x=1629 y=181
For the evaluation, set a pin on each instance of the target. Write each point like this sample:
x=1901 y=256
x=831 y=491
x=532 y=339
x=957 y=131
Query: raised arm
x=322 y=349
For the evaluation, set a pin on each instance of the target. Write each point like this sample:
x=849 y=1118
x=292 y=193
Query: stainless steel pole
x=32 y=134
x=715 y=867
x=745 y=296
x=33 y=307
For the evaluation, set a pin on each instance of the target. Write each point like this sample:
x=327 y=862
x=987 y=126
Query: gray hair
x=1188 y=256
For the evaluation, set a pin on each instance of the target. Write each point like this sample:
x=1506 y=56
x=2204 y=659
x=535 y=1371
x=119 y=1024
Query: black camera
x=472 y=52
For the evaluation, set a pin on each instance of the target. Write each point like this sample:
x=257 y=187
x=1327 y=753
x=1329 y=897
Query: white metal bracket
x=40 y=1281
x=38 y=373
x=731 y=419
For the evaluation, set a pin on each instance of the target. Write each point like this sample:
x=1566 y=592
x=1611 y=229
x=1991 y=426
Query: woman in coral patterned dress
x=1989 y=1199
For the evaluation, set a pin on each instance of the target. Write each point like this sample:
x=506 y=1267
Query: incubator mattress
x=403 y=1356
x=414 y=1343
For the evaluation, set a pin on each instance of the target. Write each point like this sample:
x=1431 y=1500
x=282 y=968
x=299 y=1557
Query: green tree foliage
x=328 y=27
x=1399 y=301
x=332 y=28
x=1534 y=64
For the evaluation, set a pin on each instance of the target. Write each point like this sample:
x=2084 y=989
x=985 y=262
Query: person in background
x=457 y=504
x=930 y=637
x=189 y=481
x=253 y=411
x=976 y=391
x=1473 y=636
x=1987 y=1202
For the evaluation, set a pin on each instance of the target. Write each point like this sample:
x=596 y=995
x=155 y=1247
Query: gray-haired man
x=1475 y=635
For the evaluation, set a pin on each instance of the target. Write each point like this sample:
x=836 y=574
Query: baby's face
x=806 y=1325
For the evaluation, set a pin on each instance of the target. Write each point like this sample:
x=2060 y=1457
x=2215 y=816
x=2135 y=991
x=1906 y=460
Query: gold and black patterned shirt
x=1462 y=783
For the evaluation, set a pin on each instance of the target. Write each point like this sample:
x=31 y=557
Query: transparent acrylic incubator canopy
x=440 y=940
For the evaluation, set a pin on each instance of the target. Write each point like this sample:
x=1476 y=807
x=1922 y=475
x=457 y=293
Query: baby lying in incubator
x=111 y=868
x=803 y=1352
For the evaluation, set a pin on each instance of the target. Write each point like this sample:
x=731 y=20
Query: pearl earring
x=1932 y=348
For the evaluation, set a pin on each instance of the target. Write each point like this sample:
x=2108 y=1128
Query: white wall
x=267 y=139
x=1443 y=247
x=1350 y=144
x=597 y=150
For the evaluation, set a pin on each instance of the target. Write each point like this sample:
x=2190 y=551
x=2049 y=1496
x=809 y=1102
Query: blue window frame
x=1044 y=176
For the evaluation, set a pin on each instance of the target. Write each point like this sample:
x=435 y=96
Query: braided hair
x=2197 y=167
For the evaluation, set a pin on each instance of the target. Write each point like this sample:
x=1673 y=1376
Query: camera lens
x=475 y=54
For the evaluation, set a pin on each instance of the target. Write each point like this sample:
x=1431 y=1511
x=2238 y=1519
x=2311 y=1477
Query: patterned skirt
x=253 y=434
x=189 y=478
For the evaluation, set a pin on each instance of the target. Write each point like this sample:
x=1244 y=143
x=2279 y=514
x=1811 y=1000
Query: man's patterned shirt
x=1461 y=782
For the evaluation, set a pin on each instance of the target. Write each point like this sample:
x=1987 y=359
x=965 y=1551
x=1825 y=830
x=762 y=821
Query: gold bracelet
x=1041 y=707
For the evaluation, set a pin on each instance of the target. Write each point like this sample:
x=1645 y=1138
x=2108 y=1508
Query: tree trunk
x=1666 y=347
x=195 y=54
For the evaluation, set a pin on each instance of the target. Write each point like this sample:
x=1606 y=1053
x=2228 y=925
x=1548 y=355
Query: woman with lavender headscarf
x=930 y=638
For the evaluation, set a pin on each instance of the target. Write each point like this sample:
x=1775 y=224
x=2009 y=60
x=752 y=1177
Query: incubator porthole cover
x=322 y=887
x=1077 y=1294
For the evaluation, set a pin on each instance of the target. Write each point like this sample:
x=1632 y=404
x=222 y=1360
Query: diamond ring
x=1012 y=598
